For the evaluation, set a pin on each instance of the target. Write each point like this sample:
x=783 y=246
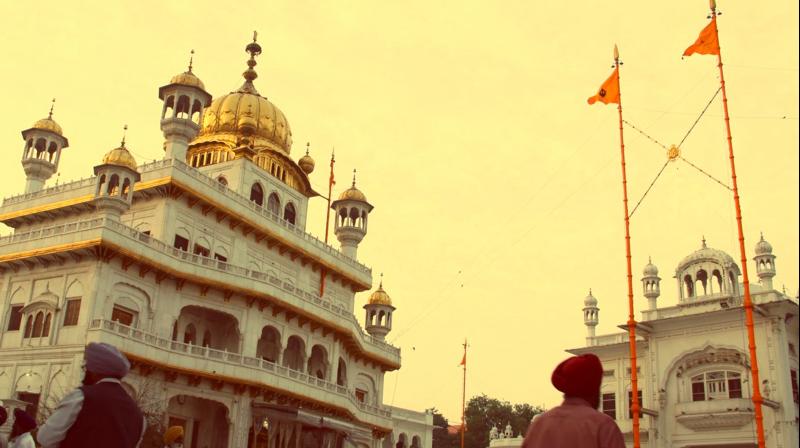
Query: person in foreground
x=20 y=436
x=173 y=437
x=100 y=413
x=576 y=422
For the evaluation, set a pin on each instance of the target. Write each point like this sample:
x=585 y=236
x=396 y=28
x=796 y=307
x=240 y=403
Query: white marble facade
x=693 y=356
x=204 y=275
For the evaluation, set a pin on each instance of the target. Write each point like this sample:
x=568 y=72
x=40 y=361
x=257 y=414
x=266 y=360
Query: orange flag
x=463 y=360
x=706 y=43
x=609 y=91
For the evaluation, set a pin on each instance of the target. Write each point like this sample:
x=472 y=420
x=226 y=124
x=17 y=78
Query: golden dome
x=306 y=163
x=48 y=124
x=242 y=113
x=352 y=194
x=188 y=79
x=120 y=157
x=246 y=113
x=379 y=297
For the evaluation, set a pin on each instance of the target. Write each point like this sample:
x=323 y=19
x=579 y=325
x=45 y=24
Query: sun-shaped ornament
x=673 y=153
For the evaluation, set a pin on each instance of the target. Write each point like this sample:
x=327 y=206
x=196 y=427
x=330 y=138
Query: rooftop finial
x=590 y=291
x=124 y=134
x=650 y=259
x=354 y=177
x=250 y=74
x=52 y=105
x=191 y=60
x=616 y=53
x=380 y=286
x=704 y=242
x=762 y=236
x=308 y=147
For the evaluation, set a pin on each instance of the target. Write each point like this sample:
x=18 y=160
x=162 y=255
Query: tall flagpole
x=748 y=303
x=327 y=223
x=464 y=395
x=631 y=321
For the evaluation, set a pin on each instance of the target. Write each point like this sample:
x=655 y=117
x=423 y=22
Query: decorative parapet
x=221 y=363
x=17 y=245
x=71 y=189
x=715 y=414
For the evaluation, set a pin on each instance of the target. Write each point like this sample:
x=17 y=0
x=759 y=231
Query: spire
x=124 y=134
x=704 y=242
x=308 y=147
x=250 y=74
x=52 y=105
x=354 y=178
x=380 y=285
x=191 y=60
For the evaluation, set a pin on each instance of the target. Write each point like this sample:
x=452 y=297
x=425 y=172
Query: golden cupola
x=245 y=124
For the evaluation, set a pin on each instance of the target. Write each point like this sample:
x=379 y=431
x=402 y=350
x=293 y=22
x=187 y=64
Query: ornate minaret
x=184 y=99
x=43 y=144
x=765 y=263
x=651 y=284
x=378 y=320
x=350 y=225
x=591 y=317
x=116 y=177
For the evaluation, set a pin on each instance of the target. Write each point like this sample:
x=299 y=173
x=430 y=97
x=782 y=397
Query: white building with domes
x=693 y=357
x=239 y=324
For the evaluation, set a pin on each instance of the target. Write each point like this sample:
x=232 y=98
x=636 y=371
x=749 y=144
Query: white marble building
x=198 y=267
x=693 y=357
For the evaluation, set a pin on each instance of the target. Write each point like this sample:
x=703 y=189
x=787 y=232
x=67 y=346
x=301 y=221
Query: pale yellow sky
x=497 y=188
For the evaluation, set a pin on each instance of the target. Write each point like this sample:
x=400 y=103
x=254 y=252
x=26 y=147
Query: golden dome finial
x=380 y=285
x=52 y=105
x=124 y=134
x=354 y=177
x=250 y=74
x=308 y=146
x=191 y=60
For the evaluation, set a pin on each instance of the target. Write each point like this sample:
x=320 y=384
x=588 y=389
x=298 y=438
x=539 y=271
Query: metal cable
x=709 y=176
x=699 y=117
x=645 y=134
x=648 y=189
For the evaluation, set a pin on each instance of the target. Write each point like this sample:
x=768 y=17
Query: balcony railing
x=234 y=359
x=322 y=304
x=212 y=183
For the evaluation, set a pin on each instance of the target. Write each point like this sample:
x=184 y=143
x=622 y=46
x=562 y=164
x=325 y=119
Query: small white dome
x=763 y=247
x=650 y=269
x=590 y=300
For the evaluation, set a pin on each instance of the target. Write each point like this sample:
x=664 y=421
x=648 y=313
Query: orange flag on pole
x=707 y=42
x=463 y=360
x=609 y=91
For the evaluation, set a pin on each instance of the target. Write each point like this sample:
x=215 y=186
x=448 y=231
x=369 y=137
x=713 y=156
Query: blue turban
x=104 y=359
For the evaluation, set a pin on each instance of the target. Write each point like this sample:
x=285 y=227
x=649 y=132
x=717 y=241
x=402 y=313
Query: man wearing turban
x=173 y=437
x=100 y=413
x=20 y=436
x=576 y=422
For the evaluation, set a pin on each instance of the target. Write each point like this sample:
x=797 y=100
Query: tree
x=441 y=438
x=483 y=412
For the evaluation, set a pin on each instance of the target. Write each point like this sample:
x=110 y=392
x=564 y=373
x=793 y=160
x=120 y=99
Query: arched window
x=126 y=187
x=51 y=150
x=687 y=280
x=37 y=325
x=46 y=329
x=289 y=213
x=207 y=339
x=197 y=109
x=717 y=385
x=190 y=335
x=257 y=194
x=169 y=108
x=716 y=277
x=294 y=355
x=182 y=108
x=28 y=326
x=341 y=373
x=113 y=185
x=702 y=279
x=274 y=204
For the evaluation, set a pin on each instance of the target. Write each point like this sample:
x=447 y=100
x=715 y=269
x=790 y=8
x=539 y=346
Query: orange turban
x=172 y=434
x=580 y=376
